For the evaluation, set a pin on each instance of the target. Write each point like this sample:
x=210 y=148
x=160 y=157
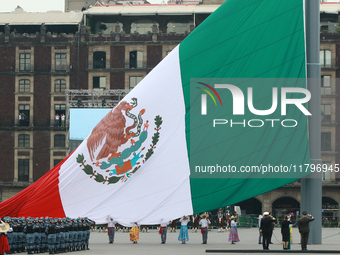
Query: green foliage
x=155 y=139
x=80 y=158
x=135 y=170
x=99 y=178
x=148 y=154
x=114 y=179
x=158 y=121
x=88 y=169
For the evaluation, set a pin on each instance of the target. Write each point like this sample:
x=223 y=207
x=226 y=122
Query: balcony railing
x=121 y=65
x=94 y=98
x=332 y=64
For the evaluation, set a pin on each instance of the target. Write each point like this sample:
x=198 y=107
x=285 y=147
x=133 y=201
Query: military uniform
x=37 y=236
x=43 y=236
x=30 y=238
x=51 y=236
x=304 y=229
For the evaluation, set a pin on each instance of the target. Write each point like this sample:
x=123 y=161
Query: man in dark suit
x=304 y=229
x=266 y=228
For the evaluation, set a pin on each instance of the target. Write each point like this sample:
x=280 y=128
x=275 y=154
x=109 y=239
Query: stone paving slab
x=149 y=243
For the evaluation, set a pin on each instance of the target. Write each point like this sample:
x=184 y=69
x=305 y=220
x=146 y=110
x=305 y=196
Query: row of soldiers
x=39 y=235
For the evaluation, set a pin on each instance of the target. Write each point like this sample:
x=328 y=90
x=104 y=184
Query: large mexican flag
x=221 y=119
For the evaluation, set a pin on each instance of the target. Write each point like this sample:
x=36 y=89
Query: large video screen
x=82 y=121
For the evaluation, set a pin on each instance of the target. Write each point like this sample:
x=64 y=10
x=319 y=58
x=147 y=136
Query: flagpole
x=311 y=186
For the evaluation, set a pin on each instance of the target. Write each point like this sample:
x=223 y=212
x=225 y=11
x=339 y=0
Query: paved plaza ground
x=149 y=243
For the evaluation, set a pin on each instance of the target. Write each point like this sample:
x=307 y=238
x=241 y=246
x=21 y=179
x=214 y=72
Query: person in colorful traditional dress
x=204 y=222
x=163 y=230
x=233 y=235
x=4 y=246
x=194 y=221
x=134 y=234
x=111 y=229
x=220 y=220
x=183 y=234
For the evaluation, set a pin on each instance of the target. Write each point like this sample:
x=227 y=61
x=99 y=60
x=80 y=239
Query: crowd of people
x=40 y=235
x=204 y=220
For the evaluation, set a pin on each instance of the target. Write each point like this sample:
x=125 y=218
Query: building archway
x=330 y=208
x=179 y=27
x=250 y=206
x=285 y=205
x=143 y=26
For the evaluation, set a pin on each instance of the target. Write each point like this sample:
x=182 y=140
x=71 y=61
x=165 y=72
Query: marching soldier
x=51 y=236
x=37 y=236
x=88 y=224
x=30 y=238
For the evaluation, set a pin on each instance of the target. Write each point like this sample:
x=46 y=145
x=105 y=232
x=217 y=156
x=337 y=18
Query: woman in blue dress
x=183 y=234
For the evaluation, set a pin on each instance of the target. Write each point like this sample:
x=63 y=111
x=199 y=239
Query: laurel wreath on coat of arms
x=119 y=166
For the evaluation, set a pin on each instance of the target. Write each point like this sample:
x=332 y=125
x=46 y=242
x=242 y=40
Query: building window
x=23 y=170
x=178 y=27
x=136 y=59
x=107 y=28
x=99 y=59
x=99 y=82
x=59 y=86
x=326 y=141
x=60 y=61
x=24 y=114
x=142 y=26
x=56 y=161
x=24 y=141
x=326 y=88
x=59 y=141
x=326 y=175
x=134 y=80
x=325 y=58
x=24 y=86
x=326 y=110
x=25 y=62
x=59 y=109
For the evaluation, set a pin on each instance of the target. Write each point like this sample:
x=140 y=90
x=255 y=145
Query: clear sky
x=39 y=5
